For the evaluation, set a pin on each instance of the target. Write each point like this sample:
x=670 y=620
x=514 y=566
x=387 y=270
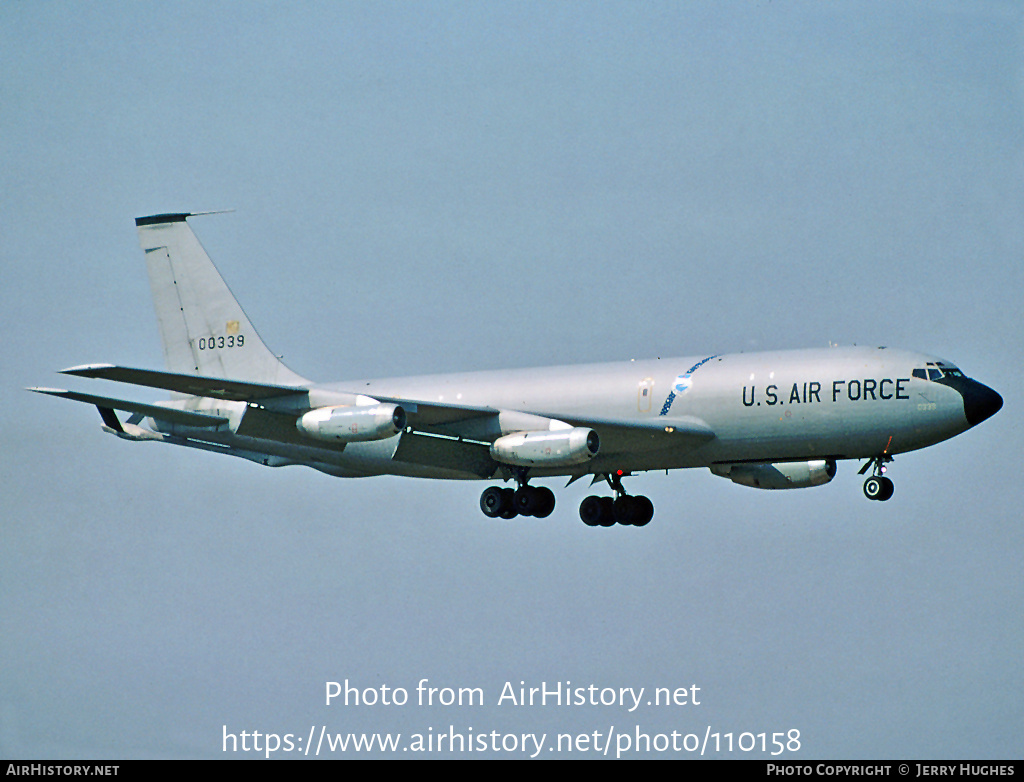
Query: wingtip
x=50 y=391
x=85 y=369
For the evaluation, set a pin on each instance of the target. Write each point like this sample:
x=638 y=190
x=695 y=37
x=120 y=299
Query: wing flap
x=446 y=452
x=280 y=427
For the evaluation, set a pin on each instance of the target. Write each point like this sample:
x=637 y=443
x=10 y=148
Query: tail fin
x=203 y=328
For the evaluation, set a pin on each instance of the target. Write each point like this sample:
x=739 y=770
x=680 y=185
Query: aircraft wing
x=425 y=414
x=170 y=414
x=196 y=385
x=456 y=426
x=617 y=436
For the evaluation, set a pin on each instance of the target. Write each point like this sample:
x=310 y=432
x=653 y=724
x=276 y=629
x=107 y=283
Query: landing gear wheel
x=546 y=502
x=525 y=500
x=508 y=505
x=627 y=510
x=887 y=489
x=644 y=510
x=878 y=487
x=873 y=488
x=496 y=501
x=536 y=501
x=636 y=511
x=623 y=510
x=590 y=511
x=490 y=501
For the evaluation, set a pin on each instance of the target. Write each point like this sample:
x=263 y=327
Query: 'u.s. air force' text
x=809 y=392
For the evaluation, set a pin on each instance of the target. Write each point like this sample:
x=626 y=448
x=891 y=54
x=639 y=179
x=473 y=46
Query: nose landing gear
x=877 y=486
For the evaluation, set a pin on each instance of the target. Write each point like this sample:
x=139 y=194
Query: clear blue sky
x=450 y=186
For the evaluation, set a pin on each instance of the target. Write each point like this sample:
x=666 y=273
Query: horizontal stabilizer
x=169 y=414
x=195 y=385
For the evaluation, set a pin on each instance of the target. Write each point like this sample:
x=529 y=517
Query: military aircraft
x=773 y=420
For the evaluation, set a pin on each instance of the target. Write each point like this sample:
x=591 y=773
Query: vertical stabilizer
x=203 y=328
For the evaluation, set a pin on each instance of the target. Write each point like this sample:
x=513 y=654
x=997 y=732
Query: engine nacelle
x=353 y=423
x=560 y=448
x=780 y=475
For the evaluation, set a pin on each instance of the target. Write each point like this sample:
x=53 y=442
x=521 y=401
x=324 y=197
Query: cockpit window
x=936 y=371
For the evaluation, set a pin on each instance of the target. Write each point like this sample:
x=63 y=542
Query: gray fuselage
x=839 y=403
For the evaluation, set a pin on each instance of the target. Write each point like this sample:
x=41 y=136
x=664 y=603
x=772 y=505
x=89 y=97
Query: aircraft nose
x=980 y=402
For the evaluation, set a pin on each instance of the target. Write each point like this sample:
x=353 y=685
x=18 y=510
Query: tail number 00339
x=230 y=341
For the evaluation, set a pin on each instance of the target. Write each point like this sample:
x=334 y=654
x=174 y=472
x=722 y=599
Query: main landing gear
x=627 y=510
x=877 y=486
x=536 y=501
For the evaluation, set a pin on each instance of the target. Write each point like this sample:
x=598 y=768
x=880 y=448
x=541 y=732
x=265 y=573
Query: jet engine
x=778 y=475
x=353 y=423
x=560 y=448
